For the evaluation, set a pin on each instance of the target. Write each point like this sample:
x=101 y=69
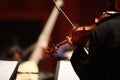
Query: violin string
x=64 y=14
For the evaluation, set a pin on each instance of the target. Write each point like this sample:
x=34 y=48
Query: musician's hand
x=71 y=43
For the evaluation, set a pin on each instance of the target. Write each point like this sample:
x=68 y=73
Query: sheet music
x=7 y=68
x=65 y=71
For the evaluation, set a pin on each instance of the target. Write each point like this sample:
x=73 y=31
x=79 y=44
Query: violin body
x=79 y=38
x=81 y=35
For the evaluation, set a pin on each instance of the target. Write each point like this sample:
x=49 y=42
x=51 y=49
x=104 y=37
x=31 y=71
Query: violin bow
x=60 y=9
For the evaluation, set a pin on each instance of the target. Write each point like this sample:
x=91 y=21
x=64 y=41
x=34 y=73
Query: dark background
x=25 y=32
x=21 y=32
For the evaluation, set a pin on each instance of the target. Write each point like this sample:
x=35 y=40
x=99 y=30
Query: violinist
x=102 y=62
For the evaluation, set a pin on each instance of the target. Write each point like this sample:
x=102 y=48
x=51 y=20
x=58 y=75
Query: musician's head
x=14 y=53
x=114 y=5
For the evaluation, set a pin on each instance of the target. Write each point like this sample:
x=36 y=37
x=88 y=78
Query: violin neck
x=61 y=43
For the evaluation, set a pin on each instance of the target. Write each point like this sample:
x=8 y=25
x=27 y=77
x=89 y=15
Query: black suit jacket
x=103 y=62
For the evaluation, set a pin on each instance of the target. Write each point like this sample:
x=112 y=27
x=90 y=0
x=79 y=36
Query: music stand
x=8 y=69
x=65 y=71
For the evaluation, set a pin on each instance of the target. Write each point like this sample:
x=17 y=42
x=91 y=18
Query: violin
x=80 y=35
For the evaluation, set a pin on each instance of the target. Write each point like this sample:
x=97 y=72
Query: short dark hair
x=113 y=5
x=12 y=49
x=117 y=5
